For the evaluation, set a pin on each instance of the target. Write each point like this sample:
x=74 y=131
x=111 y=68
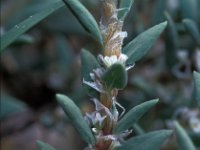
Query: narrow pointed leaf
x=44 y=146
x=85 y=18
x=139 y=46
x=192 y=28
x=171 y=42
x=115 y=77
x=184 y=141
x=196 y=76
x=189 y=9
x=138 y=130
x=25 y=25
x=159 y=8
x=131 y=117
x=125 y=5
x=88 y=64
x=149 y=141
x=74 y=113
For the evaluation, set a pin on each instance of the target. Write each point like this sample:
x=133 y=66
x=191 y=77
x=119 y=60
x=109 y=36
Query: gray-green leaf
x=25 y=25
x=192 y=28
x=134 y=115
x=171 y=42
x=184 y=142
x=88 y=64
x=125 y=5
x=44 y=146
x=74 y=113
x=197 y=86
x=149 y=141
x=85 y=18
x=139 y=46
x=115 y=77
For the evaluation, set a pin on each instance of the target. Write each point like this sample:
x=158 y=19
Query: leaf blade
x=74 y=113
x=88 y=64
x=192 y=28
x=139 y=46
x=25 y=25
x=184 y=142
x=44 y=146
x=85 y=18
x=116 y=76
x=126 y=6
x=151 y=141
x=196 y=76
x=134 y=115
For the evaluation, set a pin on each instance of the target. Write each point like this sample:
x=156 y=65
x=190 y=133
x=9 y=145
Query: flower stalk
x=113 y=36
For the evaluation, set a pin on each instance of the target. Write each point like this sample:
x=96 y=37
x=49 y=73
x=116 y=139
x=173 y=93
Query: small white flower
x=110 y=60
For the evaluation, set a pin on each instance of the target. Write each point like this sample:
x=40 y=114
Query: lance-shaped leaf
x=192 y=28
x=74 y=113
x=158 y=9
x=139 y=46
x=196 y=76
x=149 y=141
x=189 y=9
x=171 y=42
x=184 y=142
x=125 y=6
x=88 y=64
x=25 y=25
x=85 y=18
x=137 y=129
x=115 y=77
x=44 y=146
x=134 y=115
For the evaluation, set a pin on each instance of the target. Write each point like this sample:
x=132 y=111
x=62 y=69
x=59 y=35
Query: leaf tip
x=59 y=98
x=164 y=23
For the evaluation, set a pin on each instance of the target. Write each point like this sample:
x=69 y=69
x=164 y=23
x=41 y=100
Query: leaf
x=184 y=142
x=192 y=28
x=44 y=146
x=10 y=105
x=159 y=8
x=125 y=5
x=138 y=130
x=25 y=25
x=139 y=46
x=88 y=64
x=149 y=141
x=64 y=52
x=24 y=39
x=171 y=42
x=85 y=18
x=134 y=115
x=74 y=113
x=189 y=9
x=196 y=76
x=115 y=77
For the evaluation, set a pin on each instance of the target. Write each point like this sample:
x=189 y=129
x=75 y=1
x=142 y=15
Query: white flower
x=110 y=60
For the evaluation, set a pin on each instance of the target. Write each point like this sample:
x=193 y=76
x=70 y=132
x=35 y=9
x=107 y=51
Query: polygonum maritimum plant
x=106 y=128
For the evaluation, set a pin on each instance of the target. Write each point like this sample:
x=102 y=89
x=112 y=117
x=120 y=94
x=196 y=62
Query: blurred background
x=46 y=60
